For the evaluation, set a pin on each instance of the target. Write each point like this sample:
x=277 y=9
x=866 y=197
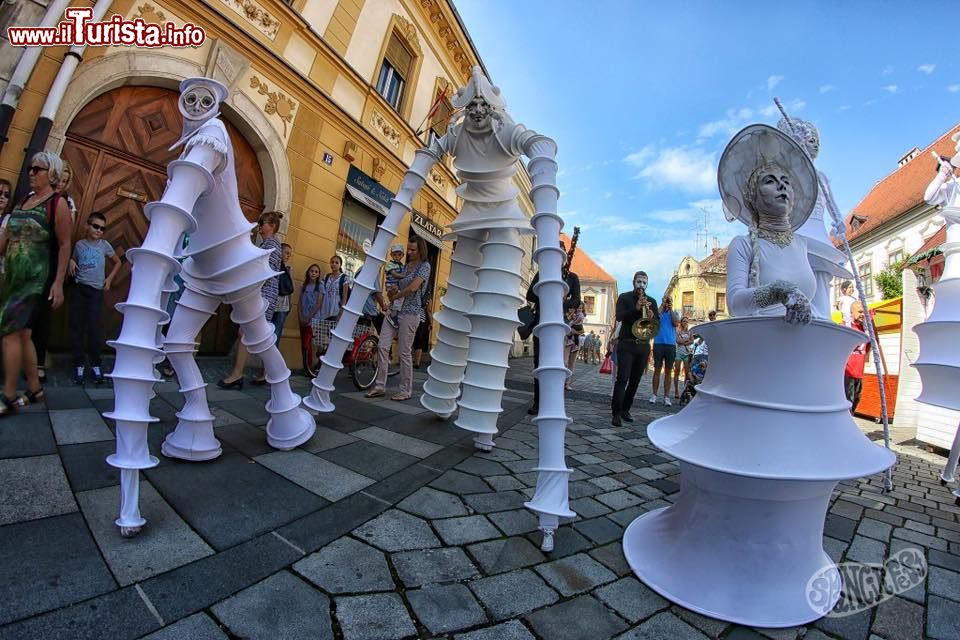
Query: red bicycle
x=362 y=359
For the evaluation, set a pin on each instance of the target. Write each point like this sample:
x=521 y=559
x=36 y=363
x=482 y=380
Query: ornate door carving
x=118 y=148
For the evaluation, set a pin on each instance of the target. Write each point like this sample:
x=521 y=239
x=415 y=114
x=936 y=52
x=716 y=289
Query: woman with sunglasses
x=35 y=242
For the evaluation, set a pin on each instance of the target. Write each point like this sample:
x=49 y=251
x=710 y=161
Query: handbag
x=607 y=366
x=528 y=320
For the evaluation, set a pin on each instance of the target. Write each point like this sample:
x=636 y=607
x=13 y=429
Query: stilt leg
x=448 y=358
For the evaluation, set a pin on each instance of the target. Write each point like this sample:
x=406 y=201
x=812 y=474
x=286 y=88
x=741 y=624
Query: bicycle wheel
x=363 y=367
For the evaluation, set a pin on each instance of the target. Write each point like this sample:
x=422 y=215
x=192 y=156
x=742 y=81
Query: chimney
x=908 y=156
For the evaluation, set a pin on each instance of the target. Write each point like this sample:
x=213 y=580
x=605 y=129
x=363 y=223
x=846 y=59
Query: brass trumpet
x=648 y=326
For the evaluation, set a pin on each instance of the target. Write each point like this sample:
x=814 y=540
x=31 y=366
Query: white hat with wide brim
x=760 y=144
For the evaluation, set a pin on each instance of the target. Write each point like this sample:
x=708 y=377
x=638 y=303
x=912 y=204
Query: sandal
x=31 y=397
x=7 y=406
x=376 y=393
x=400 y=398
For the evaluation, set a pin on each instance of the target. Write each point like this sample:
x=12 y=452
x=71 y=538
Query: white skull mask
x=198 y=103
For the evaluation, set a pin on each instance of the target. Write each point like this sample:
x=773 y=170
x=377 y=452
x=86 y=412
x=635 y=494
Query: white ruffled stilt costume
x=222 y=266
x=769 y=434
x=479 y=316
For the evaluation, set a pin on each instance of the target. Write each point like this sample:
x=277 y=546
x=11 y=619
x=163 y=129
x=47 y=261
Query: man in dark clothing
x=632 y=354
x=571 y=301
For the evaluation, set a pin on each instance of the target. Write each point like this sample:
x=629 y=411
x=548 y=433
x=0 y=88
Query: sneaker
x=653 y=399
x=626 y=416
x=78 y=376
x=97 y=376
x=666 y=401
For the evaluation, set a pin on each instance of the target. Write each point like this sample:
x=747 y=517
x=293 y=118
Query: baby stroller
x=697 y=370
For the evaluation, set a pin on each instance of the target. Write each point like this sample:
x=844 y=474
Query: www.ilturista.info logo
x=856 y=586
x=79 y=29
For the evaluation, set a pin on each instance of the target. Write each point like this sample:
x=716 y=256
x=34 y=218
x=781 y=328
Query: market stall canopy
x=887 y=314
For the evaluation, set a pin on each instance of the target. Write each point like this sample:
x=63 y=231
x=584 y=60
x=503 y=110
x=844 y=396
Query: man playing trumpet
x=636 y=311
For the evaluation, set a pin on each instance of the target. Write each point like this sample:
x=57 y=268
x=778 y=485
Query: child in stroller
x=698 y=368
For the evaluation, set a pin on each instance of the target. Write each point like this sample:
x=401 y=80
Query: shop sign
x=427 y=225
x=369 y=191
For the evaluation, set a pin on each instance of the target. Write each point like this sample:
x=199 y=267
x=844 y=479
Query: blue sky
x=643 y=96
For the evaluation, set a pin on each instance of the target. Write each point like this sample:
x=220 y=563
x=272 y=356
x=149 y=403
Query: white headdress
x=478 y=87
x=193 y=122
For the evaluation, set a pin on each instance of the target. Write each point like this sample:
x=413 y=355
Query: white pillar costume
x=939 y=360
x=768 y=435
x=222 y=266
x=479 y=316
x=826 y=260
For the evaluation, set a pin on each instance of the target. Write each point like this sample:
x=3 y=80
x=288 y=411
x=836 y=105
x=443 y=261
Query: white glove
x=787 y=294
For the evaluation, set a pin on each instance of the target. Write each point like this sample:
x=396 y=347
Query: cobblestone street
x=387 y=524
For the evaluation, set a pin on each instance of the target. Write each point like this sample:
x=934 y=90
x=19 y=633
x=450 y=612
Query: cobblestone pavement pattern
x=387 y=525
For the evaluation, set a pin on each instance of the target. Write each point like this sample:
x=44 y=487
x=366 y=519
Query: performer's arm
x=936 y=192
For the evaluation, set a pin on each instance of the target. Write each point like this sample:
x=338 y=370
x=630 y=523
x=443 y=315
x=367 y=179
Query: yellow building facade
x=700 y=286
x=328 y=101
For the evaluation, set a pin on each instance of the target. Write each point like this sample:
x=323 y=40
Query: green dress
x=26 y=267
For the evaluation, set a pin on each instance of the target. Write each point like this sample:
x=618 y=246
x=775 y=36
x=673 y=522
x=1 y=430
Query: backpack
x=285 y=283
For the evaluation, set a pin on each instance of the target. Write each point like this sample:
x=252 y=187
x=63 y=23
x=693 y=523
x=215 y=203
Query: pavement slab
x=581 y=617
x=497 y=556
x=26 y=435
x=398 y=442
x=369 y=459
x=513 y=594
x=458 y=531
x=374 y=617
x=33 y=488
x=418 y=568
x=575 y=574
x=663 y=625
x=199 y=626
x=631 y=599
x=166 y=543
x=239 y=500
x=512 y=630
x=446 y=608
x=319 y=476
x=49 y=564
x=430 y=503
x=347 y=566
x=460 y=483
x=282 y=607
x=397 y=531
x=74 y=426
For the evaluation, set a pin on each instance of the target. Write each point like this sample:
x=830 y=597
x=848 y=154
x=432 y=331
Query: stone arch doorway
x=118 y=146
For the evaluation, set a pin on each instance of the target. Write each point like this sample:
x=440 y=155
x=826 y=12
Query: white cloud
x=773 y=81
x=607 y=195
x=887 y=70
x=688 y=168
x=792 y=107
x=953 y=88
x=845 y=107
x=891 y=88
x=869 y=103
x=926 y=68
x=826 y=88
x=728 y=125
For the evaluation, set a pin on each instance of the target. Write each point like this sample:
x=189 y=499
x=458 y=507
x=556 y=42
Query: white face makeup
x=198 y=103
x=479 y=114
x=640 y=282
x=775 y=194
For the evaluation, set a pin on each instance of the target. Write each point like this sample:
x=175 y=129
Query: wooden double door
x=118 y=149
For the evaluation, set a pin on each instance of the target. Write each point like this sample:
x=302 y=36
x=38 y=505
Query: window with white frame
x=866 y=278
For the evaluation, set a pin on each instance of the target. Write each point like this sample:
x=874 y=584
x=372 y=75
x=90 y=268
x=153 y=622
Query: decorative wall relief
x=277 y=103
x=437 y=178
x=409 y=32
x=381 y=124
x=226 y=64
x=259 y=17
x=379 y=168
x=150 y=13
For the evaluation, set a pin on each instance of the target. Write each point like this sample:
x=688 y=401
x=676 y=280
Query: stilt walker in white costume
x=479 y=316
x=939 y=360
x=222 y=266
x=769 y=434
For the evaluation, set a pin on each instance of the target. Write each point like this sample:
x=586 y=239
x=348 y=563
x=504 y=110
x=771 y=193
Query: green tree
x=890 y=281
